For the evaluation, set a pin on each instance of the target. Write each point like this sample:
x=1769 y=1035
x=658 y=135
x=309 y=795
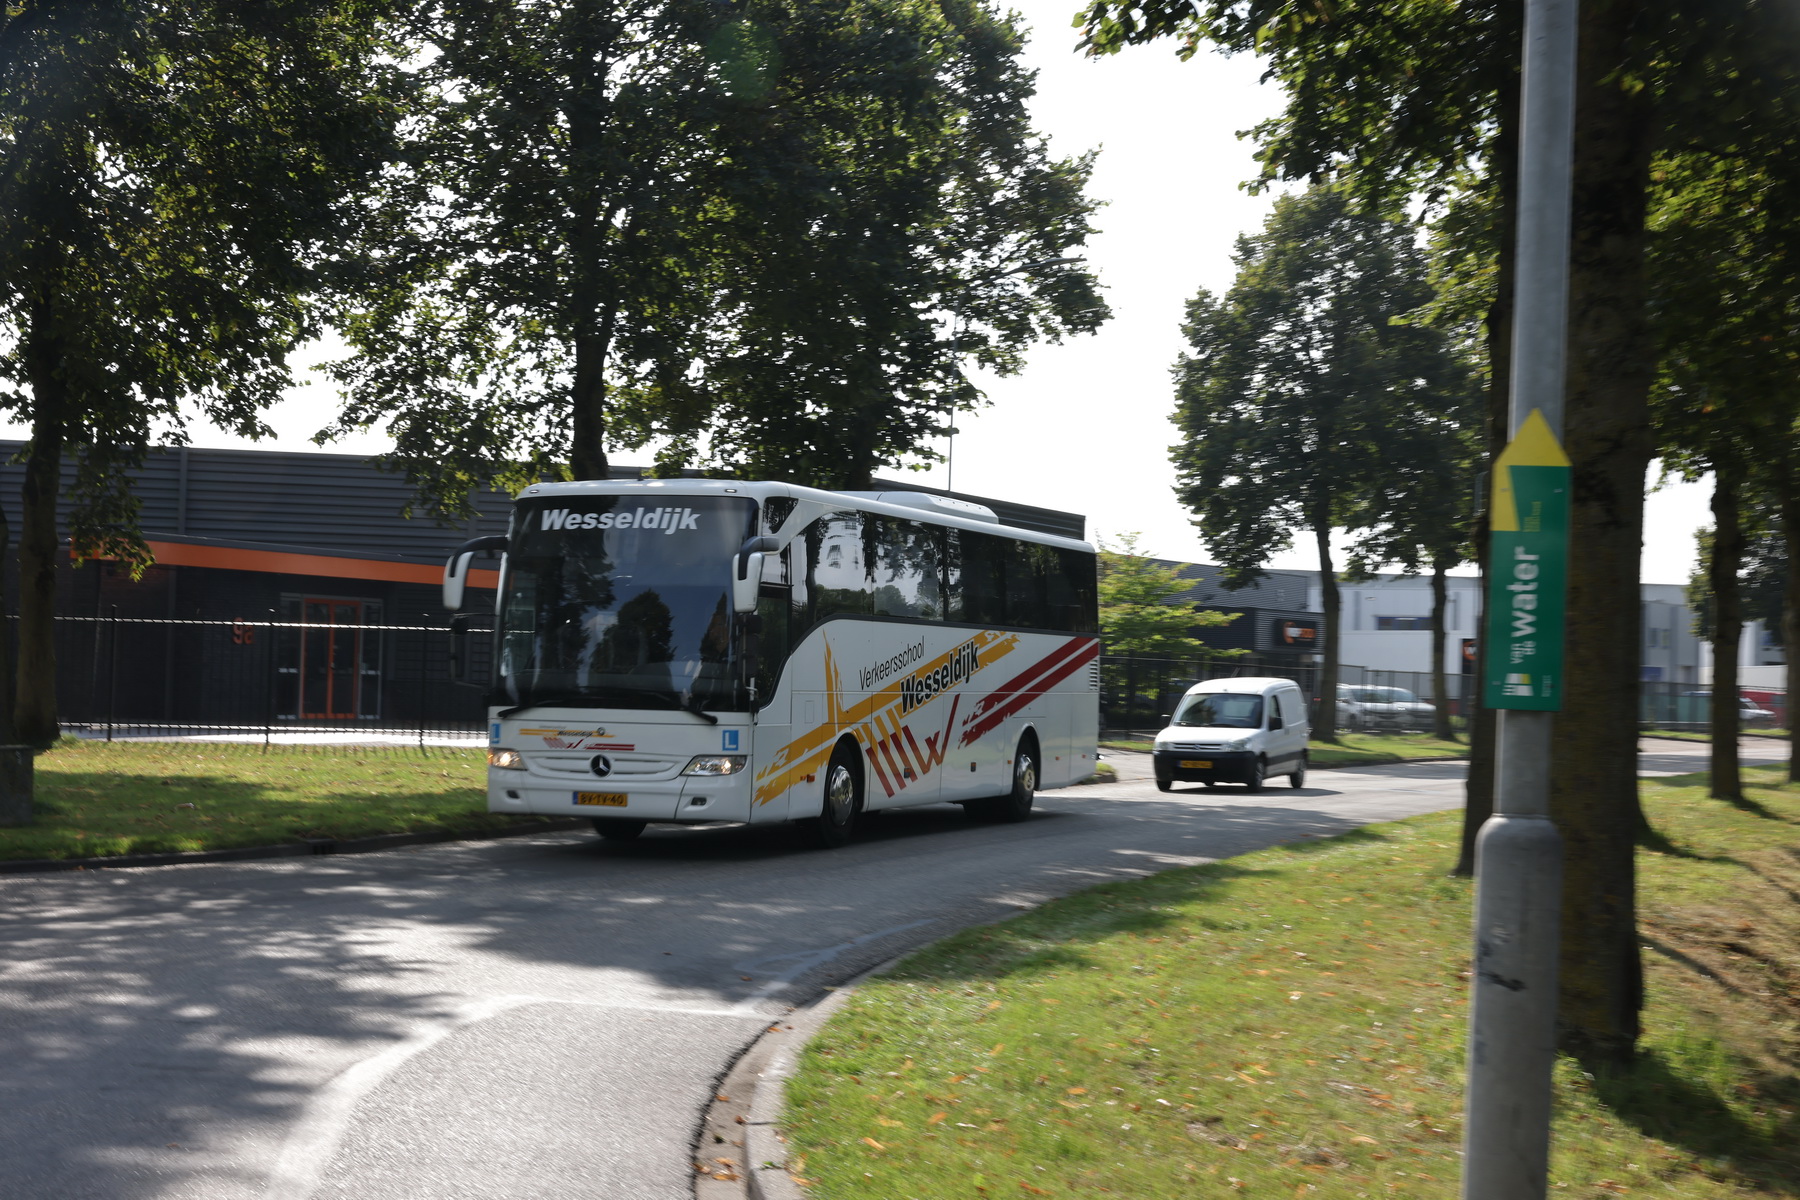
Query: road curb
x=765 y=1150
x=305 y=848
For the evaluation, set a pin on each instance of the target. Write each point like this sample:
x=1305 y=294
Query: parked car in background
x=1695 y=708
x=1379 y=709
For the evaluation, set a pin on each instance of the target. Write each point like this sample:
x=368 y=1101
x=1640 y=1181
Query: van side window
x=1275 y=711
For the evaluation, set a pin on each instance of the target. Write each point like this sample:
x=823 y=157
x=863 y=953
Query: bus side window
x=1027 y=577
x=775 y=605
x=979 y=572
x=907 y=568
x=840 y=577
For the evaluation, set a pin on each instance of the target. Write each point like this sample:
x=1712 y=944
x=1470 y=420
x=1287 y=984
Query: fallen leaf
x=935 y=1117
x=872 y=1142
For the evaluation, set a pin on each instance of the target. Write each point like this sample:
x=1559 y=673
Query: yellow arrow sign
x=1533 y=446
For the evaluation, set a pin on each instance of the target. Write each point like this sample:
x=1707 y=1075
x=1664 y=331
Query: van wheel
x=841 y=802
x=1255 y=782
x=1298 y=778
x=616 y=830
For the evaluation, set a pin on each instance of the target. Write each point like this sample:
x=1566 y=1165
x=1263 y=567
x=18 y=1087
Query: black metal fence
x=292 y=680
x=1687 y=706
x=278 y=680
x=1137 y=691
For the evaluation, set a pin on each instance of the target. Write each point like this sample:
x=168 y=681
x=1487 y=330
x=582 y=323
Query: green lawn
x=1356 y=749
x=1291 y=1023
x=1696 y=735
x=96 y=799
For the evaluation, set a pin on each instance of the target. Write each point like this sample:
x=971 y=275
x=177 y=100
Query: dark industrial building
x=1273 y=621
x=290 y=589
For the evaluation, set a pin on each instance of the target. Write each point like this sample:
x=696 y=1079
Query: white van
x=1235 y=731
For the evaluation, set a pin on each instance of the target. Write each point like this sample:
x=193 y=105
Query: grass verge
x=1695 y=735
x=1291 y=1023
x=1355 y=749
x=135 y=798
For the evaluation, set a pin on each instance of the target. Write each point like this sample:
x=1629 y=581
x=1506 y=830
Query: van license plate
x=604 y=799
x=1197 y=764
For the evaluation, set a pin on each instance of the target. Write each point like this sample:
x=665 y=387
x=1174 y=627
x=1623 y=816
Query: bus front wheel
x=614 y=830
x=842 y=801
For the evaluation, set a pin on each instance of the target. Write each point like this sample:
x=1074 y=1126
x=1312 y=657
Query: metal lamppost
x=1518 y=853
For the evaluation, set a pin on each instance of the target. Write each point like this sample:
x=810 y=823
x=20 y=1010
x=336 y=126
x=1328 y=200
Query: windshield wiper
x=691 y=705
x=602 y=699
x=608 y=698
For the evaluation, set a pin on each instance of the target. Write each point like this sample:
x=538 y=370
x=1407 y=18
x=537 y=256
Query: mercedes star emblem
x=601 y=765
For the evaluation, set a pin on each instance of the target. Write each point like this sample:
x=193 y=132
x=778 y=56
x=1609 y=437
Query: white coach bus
x=708 y=651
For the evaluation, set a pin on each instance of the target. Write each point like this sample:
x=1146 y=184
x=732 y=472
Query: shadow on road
x=161 y=1028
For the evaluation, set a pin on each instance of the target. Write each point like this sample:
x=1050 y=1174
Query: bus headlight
x=506 y=760
x=715 y=764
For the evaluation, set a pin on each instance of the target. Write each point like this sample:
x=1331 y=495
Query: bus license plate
x=1197 y=764
x=604 y=799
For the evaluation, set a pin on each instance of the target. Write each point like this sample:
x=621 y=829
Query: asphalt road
x=523 y=1018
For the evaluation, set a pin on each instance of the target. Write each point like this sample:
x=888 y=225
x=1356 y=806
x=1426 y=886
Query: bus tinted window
x=855 y=564
x=908 y=568
x=979 y=589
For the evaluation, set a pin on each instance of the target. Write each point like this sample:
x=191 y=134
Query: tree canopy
x=1301 y=384
x=1136 y=613
x=771 y=237
x=176 y=183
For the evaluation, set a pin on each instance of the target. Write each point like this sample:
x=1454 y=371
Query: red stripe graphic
x=875 y=761
x=1028 y=685
x=1005 y=691
x=887 y=752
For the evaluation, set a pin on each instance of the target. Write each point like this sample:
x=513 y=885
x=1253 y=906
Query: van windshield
x=1227 y=710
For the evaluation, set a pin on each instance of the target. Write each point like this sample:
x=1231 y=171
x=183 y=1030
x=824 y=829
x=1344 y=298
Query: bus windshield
x=621 y=601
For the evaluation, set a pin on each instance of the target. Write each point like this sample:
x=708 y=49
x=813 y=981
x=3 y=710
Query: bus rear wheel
x=1016 y=804
x=841 y=803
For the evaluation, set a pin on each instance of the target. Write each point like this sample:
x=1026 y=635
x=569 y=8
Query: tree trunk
x=1478 y=793
x=34 y=709
x=587 y=437
x=1440 y=686
x=1326 y=730
x=16 y=792
x=1594 y=787
x=1727 y=634
x=1788 y=492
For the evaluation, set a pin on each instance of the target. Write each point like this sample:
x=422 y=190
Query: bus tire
x=1015 y=805
x=840 y=802
x=616 y=830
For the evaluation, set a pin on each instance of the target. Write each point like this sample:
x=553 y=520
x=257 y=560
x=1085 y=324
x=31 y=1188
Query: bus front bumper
x=685 y=798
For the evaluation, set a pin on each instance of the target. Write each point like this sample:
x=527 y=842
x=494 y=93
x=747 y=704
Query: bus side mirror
x=746 y=583
x=456 y=579
x=747 y=572
x=456 y=569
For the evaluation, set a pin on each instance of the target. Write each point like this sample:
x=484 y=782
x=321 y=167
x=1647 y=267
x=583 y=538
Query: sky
x=1085 y=427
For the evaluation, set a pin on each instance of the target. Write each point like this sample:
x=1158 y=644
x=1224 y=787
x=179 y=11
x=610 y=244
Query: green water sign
x=1528 y=568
